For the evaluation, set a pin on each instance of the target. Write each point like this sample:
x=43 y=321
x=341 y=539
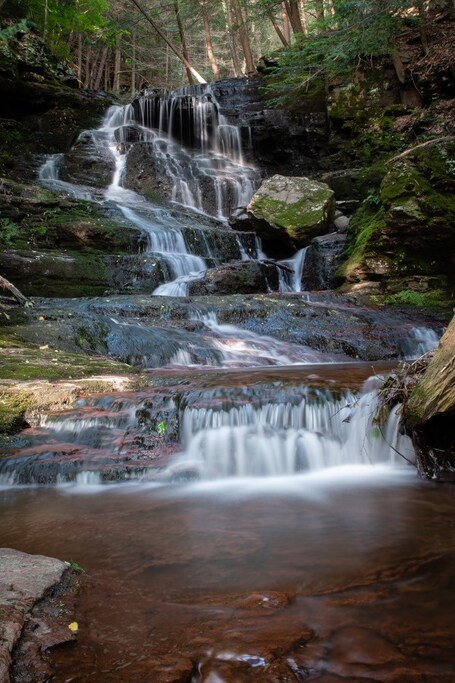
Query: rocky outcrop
x=401 y=241
x=26 y=580
x=54 y=246
x=287 y=212
x=322 y=260
x=242 y=277
x=430 y=412
x=41 y=108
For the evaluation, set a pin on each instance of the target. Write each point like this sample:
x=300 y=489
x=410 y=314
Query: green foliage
x=409 y=297
x=12 y=31
x=358 y=29
x=76 y=567
x=161 y=428
x=9 y=233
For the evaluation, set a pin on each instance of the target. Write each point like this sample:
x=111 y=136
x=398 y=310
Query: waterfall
x=190 y=147
x=244 y=431
x=208 y=170
x=276 y=439
x=291 y=281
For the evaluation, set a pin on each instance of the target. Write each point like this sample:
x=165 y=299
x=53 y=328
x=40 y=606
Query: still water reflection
x=343 y=575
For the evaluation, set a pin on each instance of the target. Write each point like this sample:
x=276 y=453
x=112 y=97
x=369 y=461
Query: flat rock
x=25 y=579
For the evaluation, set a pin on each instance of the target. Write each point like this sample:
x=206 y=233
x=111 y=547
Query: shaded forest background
x=122 y=46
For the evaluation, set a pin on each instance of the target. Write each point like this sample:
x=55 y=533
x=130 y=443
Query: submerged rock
x=288 y=212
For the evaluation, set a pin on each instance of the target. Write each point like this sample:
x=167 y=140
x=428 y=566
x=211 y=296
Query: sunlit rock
x=288 y=212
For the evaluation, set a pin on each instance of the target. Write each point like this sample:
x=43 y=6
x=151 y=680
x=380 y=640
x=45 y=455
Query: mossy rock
x=291 y=210
x=430 y=412
x=403 y=238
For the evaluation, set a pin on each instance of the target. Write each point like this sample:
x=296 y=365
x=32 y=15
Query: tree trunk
x=99 y=75
x=208 y=40
x=278 y=30
x=243 y=35
x=319 y=5
x=167 y=40
x=18 y=296
x=88 y=56
x=286 y=25
x=133 y=64
x=293 y=12
x=230 y=35
x=117 y=60
x=79 y=59
x=183 y=42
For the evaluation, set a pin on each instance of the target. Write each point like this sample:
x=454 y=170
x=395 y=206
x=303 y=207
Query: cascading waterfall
x=165 y=231
x=208 y=170
x=275 y=439
x=223 y=433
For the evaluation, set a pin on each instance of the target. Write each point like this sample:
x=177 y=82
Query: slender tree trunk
x=88 y=59
x=117 y=62
x=319 y=8
x=102 y=64
x=183 y=42
x=278 y=30
x=237 y=70
x=286 y=25
x=133 y=64
x=171 y=45
x=79 y=59
x=208 y=40
x=423 y=32
x=303 y=15
x=243 y=35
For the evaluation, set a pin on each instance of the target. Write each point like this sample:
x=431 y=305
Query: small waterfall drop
x=278 y=439
x=291 y=280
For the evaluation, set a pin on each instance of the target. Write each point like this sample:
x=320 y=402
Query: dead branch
x=18 y=296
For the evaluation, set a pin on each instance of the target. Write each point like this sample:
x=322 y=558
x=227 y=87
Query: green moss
x=12 y=410
x=435 y=298
x=28 y=363
x=365 y=225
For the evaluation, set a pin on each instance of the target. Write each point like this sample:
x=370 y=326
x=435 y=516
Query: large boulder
x=287 y=212
x=430 y=412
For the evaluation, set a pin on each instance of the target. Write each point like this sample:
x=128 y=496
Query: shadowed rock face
x=242 y=277
x=323 y=257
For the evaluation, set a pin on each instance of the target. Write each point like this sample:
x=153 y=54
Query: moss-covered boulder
x=287 y=212
x=430 y=412
x=401 y=242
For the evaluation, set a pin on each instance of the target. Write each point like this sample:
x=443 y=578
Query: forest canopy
x=124 y=45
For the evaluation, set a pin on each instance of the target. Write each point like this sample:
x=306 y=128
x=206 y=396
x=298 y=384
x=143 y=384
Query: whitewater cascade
x=216 y=174
x=196 y=147
x=221 y=433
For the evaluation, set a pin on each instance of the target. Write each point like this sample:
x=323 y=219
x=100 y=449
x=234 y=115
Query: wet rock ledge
x=30 y=621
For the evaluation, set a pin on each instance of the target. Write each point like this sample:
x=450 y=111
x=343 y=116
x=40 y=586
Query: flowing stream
x=267 y=526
